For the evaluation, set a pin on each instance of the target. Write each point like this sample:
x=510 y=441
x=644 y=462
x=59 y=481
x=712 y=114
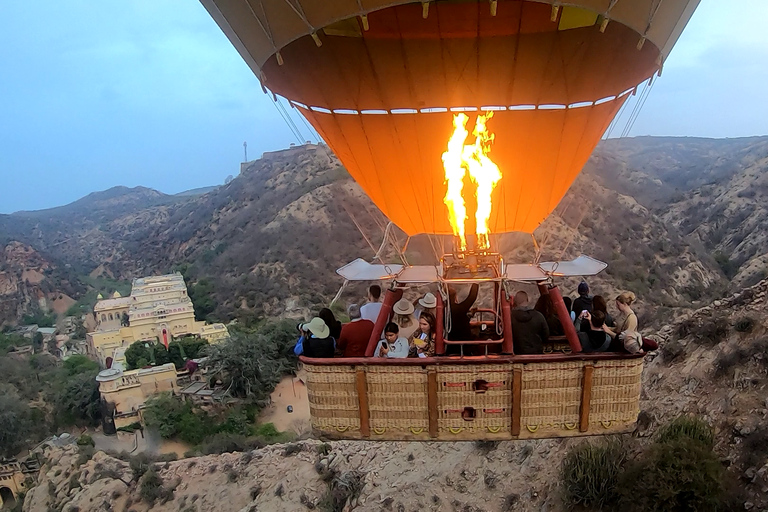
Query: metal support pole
x=565 y=319
x=390 y=297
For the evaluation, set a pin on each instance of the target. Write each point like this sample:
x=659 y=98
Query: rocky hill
x=711 y=364
x=670 y=215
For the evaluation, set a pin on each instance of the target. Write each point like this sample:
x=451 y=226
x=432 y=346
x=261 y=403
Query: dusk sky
x=99 y=94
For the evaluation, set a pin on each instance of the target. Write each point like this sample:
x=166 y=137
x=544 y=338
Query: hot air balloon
x=463 y=118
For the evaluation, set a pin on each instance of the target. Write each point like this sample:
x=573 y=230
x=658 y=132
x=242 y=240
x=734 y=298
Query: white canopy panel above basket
x=361 y=270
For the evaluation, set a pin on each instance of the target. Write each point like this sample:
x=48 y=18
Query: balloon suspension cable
x=310 y=128
x=338 y=294
x=573 y=235
x=405 y=246
x=384 y=242
x=395 y=244
x=287 y=118
x=537 y=257
x=359 y=227
x=641 y=103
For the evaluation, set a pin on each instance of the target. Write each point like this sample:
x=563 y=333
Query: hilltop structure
x=13 y=479
x=157 y=311
x=127 y=391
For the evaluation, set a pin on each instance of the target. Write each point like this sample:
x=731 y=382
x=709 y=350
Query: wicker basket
x=502 y=398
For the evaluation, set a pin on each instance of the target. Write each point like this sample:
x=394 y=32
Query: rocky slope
x=712 y=191
x=670 y=215
x=712 y=363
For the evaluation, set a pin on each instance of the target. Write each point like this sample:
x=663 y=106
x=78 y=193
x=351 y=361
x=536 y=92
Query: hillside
x=712 y=191
x=712 y=364
x=670 y=215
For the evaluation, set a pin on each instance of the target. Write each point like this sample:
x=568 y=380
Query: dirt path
x=290 y=391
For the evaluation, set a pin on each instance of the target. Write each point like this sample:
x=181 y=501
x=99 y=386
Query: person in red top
x=354 y=335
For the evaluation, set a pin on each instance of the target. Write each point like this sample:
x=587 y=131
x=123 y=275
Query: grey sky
x=98 y=94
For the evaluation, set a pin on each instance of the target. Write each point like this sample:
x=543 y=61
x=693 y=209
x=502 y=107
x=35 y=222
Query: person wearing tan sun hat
x=402 y=315
x=315 y=340
x=426 y=303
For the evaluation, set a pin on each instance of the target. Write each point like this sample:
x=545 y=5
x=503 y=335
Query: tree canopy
x=251 y=363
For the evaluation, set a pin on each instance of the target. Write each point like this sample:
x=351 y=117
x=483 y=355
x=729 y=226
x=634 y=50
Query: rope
x=338 y=294
x=641 y=102
x=387 y=230
x=575 y=231
x=359 y=228
x=290 y=120
x=283 y=114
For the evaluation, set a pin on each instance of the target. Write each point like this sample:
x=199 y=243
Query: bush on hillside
x=681 y=474
x=708 y=331
x=687 y=427
x=152 y=489
x=590 y=474
x=744 y=324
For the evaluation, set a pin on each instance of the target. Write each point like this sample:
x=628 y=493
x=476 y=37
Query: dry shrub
x=672 y=350
x=755 y=447
x=707 y=331
x=745 y=324
x=590 y=474
x=342 y=489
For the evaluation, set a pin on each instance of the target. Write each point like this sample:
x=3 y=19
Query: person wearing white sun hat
x=426 y=303
x=315 y=340
x=402 y=315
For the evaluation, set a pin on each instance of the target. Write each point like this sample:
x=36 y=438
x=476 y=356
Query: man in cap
x=316 y=340
x=355 y=334
x=584 y=301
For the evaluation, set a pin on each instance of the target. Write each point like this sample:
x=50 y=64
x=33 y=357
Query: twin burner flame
x=471 y=158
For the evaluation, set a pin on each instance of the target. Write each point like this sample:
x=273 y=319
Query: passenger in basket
x=529 y=327
x=623 y=303
x=422 y=342
x=583 y=302
x=461 y=330
x=426 y=303
x=599 y=304
x=393 y=345
x=403 y=317
x=370 y=310
x=545 y=307
x=330 y=320
x=354 y=335
x=315 y=340
x=594 y=339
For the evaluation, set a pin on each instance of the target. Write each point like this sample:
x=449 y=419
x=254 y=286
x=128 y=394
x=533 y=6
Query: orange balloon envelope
x=382 y=81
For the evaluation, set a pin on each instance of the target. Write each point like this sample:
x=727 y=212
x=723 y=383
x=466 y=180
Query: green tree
x=144 y=353
x=173 y=418
x=183 y=349
x=79 y=363
x=201 y=294
x=78 y=401
x=16 y=422
x=249 y=364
